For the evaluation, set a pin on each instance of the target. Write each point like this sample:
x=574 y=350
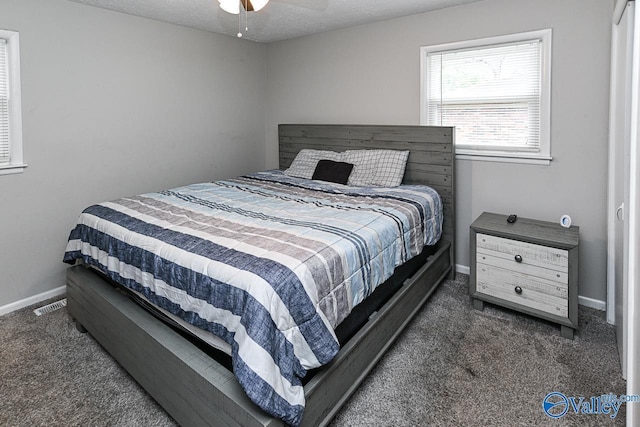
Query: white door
x=623 y=264
x=622 y=40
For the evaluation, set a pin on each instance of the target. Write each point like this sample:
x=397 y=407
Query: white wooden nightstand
x=530 y=266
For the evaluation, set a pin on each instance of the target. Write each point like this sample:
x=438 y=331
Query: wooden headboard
x=431 y=161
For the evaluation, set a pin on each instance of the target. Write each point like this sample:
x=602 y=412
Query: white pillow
x=376 y=168
x=307 y=159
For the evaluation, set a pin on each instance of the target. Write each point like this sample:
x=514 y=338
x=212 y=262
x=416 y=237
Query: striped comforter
x=269 y=263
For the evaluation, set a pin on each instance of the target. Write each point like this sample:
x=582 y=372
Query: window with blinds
x=4 y=104
x=494 y=91
x=10 y=104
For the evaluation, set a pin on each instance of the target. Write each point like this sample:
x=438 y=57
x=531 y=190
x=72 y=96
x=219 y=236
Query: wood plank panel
x=340 y=144
x=538 y=255
x=494 y=258
x=510 y=279
x=529 y=298
x=425 y=167
x=443 y=181
x=371 y=132
x=529 y=230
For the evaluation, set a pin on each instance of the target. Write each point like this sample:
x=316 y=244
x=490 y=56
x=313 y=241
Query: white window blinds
x=491 y=94
x=4 y=104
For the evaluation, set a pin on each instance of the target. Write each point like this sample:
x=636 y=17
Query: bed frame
x=197 y=390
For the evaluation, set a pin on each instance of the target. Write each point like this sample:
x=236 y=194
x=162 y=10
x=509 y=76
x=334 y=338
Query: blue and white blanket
x=269 y=263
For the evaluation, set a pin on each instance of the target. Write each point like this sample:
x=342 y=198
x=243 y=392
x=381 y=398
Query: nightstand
x=529 y=266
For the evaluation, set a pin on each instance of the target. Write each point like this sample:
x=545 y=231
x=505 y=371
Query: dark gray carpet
x=452 y=366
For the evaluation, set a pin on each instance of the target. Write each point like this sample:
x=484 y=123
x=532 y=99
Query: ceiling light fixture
x=233 y=6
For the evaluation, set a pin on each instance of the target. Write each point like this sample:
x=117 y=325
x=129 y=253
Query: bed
x=193 y=383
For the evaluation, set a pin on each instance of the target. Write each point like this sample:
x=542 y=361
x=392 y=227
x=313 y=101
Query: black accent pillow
x=328 y=170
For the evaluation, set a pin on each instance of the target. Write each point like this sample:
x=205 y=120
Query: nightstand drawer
x=527 y=297
x=492 y=275
x=528 y=253
x=496 y=259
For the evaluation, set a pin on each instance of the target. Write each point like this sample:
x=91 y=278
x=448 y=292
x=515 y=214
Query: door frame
x=621 y=5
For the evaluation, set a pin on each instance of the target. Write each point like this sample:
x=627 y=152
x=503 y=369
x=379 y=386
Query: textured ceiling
x=279 y=20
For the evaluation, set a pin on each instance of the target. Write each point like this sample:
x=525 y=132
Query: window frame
x=543 y=154
x=16 y=162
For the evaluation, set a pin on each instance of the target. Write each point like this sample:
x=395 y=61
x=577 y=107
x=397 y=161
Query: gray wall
x=115 y=105
x=370 y=74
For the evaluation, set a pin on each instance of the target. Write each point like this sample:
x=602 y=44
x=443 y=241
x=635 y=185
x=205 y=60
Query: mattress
x=166 y=316
x=271 y=264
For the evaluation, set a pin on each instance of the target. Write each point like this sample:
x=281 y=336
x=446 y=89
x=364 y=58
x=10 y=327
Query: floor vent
x=50 y=307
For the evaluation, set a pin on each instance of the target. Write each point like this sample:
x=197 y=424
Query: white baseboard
x=464 y=269
x=592 y=303
x=9 y=308
x=585 y=301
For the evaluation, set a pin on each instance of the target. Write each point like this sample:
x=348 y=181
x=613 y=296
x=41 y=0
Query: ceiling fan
x=233 y=6
x=242 y=7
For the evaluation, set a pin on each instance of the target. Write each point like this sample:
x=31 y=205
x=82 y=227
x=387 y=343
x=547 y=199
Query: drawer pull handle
x=518 y=290
x=518 y=258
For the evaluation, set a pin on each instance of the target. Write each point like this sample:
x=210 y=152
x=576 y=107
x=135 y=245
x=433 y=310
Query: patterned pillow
x=306 y=161
x=376 y=168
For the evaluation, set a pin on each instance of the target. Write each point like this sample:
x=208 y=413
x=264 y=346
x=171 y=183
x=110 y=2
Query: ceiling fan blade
x=317 y=5
x=247 y=5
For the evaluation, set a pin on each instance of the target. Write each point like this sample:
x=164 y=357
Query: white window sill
x=507 y=158
x=10 y=169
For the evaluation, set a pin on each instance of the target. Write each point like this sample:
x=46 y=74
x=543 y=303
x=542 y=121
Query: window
x=10 y=105
x=495 y=91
